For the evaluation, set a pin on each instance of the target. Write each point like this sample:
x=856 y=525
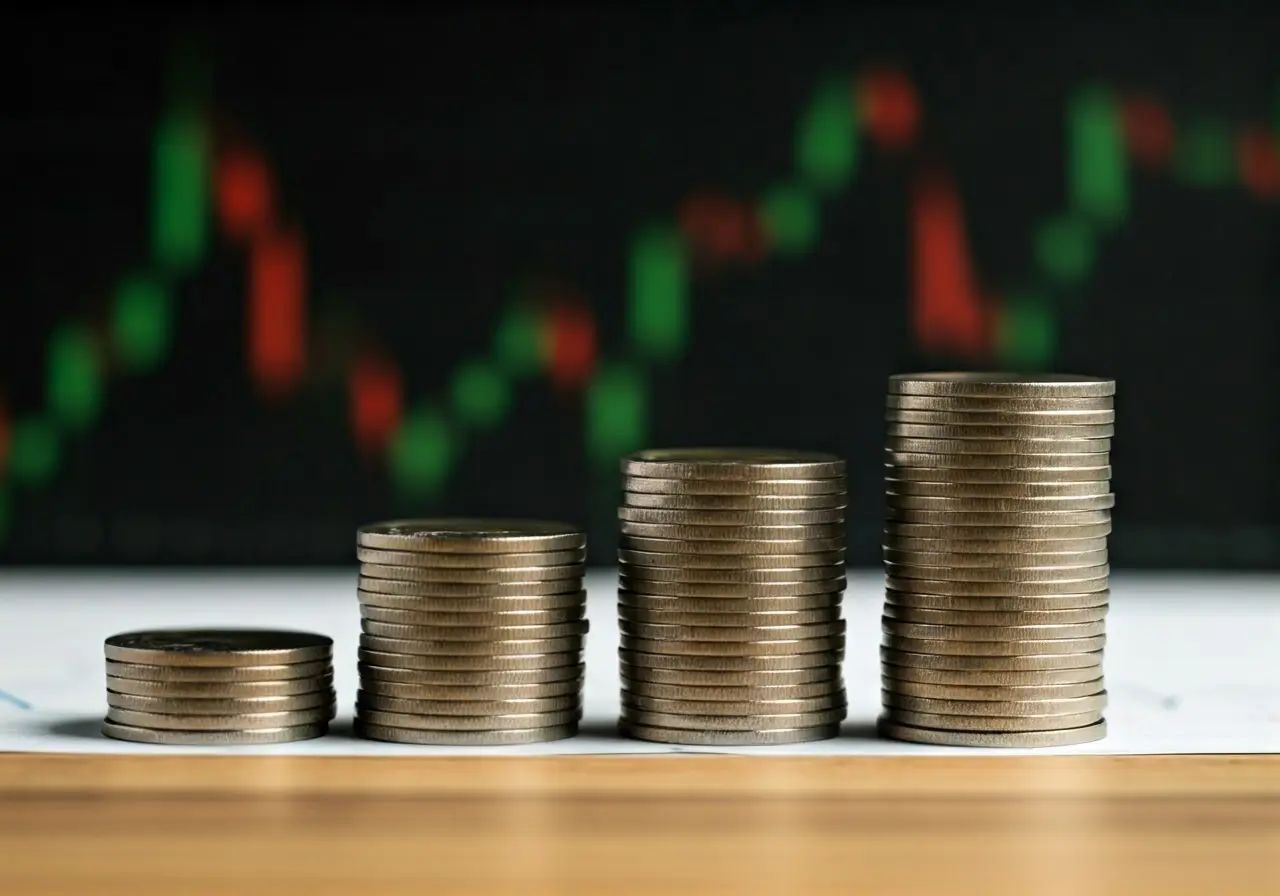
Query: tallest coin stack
x=998 y=511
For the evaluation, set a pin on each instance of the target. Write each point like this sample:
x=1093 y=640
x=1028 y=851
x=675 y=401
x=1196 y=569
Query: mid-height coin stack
x=218 y=686
x=999 y=507
x=729 y=598
x=473 y=631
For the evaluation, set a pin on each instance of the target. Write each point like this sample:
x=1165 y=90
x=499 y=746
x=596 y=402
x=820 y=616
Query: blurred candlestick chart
x=349 y=404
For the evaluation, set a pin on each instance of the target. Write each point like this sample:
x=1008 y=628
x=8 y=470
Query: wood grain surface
x=617 y=825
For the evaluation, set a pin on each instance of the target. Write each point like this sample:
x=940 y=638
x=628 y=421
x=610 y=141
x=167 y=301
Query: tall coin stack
x=999 y=507
x=729 y=597
x=218 y=686
x=473 y=631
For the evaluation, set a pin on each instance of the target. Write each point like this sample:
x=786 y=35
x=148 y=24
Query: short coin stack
x=999 y=507
x=729 y=598
x=218 y=686
x=473 y=631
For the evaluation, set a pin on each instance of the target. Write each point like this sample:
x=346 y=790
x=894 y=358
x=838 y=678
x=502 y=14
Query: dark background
x=441 y=164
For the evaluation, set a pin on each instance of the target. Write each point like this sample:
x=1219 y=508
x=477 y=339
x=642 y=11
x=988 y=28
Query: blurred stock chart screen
x=272 y=275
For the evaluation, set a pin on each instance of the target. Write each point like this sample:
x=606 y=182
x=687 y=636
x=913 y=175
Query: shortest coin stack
x=472 y=631
x=228 y=687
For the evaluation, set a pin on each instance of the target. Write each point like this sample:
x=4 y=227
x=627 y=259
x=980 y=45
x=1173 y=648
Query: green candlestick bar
x=422 y=452
x=1027 y=333
x=790 y=217
x=33 y=452
x=1203 y=155
x=1065 y=248
x=517 y=343
x=1097 y=169
x=74 y=385
x=616 y=414
x=827 y=139
x=141 y=323
x=481 y=395
x=180 y=193
x=658 y=298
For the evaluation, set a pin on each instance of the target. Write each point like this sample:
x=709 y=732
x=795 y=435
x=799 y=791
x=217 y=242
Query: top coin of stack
x=218 y=686
x=998 y=511
x=732 y=573
x=473 y=631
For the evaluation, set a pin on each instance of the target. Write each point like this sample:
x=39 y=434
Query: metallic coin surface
x=949 y=632
x=704 y=576
x=1061 y=537
x=736 y=664
x=834 y=485
x=1047 y=453
x=442 y=648
x=479 y=663
x=735 y=503
x=443 y=560
x=1016 y=432
x=789 y=603
x=466 y=693
x=369 y=701
x=471 y=536
x=215 y=674
x=659 y=632
x=644 y=703
x=1000 y=417
x=980 y=618
x=220 y=689
x=706 y=738
x=475 y=619
x=729 y=589
x=221 y=706
x=491 y=604
x=730 y=562
x=628 y=614
x=930 y=471
x=821 y=534
x=425 y=737
x=1006 y=604
x=732 y=463
x=1017 y=505
x=1009 y=708
x=1023 y=648
x=505 y=722
x=729 y=692
x=1003 y=403
x=240 y=721
x=1064 y=576
x=1011 y=561
x=172 y=738
x=1011 y=739
x=988 y=662
x=976 y=518
x=993 y=723
x=993 y=678
x=750 y=547
x=930 y=454
x=755 y=648
x=461 y=589
x=499 y=576
x=1001 y=385
x=830 y=516
x=1008 y=693
x=826 y=675
x=762 y=722
x=217 y=647
x=373 y=675
x=996 y=589
x=474 y=633
x=897 y=489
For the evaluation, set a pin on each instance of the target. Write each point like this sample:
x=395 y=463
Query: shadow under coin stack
x=999 y=508
x=729 y=598
x=473 y=631
x=228 y=687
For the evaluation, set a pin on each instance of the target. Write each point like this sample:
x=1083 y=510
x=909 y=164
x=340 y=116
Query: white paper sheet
x=1192 y=662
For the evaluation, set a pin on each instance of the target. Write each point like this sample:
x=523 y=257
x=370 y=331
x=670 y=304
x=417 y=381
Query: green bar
x=33 y=452
x=658 y=299
x=1203 y=155
x=141 y=322
x=6 y=515
x=790 y=217
x=1027 y=333
x=616 y=417
x=827 y=140
x=181 y=193
x=1065 y=249
x=74 y=381
x=518 y=340
x=1096 y=162
x=480 y=394
x=421 y=453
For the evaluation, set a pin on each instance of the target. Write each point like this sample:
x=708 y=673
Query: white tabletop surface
x=1192 y=661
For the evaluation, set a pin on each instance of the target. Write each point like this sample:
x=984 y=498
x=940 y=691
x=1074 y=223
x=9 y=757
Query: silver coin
x=1003 y=403
x=965 y=632
x=456 y=589
x=901 y=488
x=704 y=693
x=1049 y=453
x=789 y=633
x=221 y=706
x=507 y=722
x=999 y=417
x=737 y=664
x=444 y=560
x=1040 y=433
x=732 y=463
x=466 y=693
x=992 y=723
x=730 y=590
x=1045 y=519
x=1008 y=693
x=970 y=384
x=1014 y=506
x=490 y=604
x=499 y=576
x=650 y=516
x=766 y=722
x=753 y=649
x=1064 y=576
x=1012 y=739
x=988 y=663
x=450 y=663
x=987 y=618
x=751 y=547
x=992 y=678
x=735 y=503
x=172 y=738
x=369 y=701
x=425 y=737
x=240 y=721
x=475 y=619
x=992 y=475
x=790 y=603
x=748 y=620
x=996 y=589
x=443 y=648
x=647 y=485
x=705 y=738
x=474 y=633
x=907 y=455
x=220 y=689
x=1040 y=647
x=1012 y=561
x=827 y=675
x=1060 y=537
x=704 y=576
x=1009 y=708
x=1038 y=603
x=373 y=676
x=471 y=536
x=217 y=647
x=642 y=703
x=823 y=535
x=731 y=562
x=218 y=674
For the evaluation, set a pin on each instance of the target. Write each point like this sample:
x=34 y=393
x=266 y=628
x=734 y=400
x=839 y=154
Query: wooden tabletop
x=616 y=825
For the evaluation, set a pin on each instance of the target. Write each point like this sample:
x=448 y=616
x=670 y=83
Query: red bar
x=889 y=107
x=947 y=313
x=1258 y=156
x=571 y=342
x=242 y=191
x=1148 y=131
x=721 y=229
x=377 y=401
x=277 y=312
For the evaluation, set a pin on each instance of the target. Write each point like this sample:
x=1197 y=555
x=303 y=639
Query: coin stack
x=218 y=686
x=729 y=597
x=473 y=631
x=999 y=507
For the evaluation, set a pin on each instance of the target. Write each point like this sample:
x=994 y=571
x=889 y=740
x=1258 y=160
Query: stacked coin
x=218 y=686
x=473 y=631
x=729 y=598
x=999 y=507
